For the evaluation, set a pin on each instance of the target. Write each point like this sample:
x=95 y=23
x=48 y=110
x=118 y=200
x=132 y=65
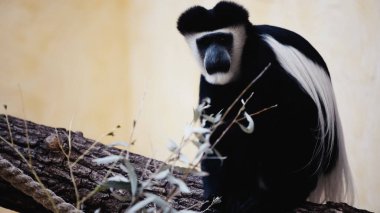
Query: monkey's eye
x=224 y=39
x=202 y=43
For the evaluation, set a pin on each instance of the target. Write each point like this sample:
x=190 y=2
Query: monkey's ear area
x=199 y=19
x=192 y=20
x=231 y=11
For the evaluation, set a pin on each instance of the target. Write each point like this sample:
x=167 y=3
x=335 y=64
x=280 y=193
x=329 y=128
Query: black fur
x=198 y=19
x=271 y=169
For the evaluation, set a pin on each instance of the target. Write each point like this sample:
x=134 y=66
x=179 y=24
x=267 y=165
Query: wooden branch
x=11 y=198
x=43 y=146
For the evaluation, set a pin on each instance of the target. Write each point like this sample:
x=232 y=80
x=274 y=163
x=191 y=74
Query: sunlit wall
x=91 y=65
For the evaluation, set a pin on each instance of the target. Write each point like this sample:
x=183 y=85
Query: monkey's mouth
x=218 y=68
x=217 y=60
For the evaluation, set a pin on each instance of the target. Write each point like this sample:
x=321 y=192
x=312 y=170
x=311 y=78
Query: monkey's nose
x=217 y=60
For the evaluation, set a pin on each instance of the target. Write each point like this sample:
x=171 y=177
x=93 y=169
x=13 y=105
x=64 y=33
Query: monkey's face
x=219 y=53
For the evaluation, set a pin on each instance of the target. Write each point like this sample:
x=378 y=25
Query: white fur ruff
x=221 y=78
x=337 y=185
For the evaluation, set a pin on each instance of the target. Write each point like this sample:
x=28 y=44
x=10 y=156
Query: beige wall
x=103 y=63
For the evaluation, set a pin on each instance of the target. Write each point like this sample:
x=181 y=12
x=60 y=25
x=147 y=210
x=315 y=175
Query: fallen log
x=41 y=152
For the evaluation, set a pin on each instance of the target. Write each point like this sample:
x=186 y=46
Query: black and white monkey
x=296 y=151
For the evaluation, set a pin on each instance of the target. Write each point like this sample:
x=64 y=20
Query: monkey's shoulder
x=290 y=38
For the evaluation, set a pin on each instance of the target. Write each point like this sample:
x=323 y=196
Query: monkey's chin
x=220 y=78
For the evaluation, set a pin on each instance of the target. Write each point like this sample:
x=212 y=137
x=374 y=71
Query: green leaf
x=200 y=173
x=139 y=205
x=250 y=127
x=146 y=184
x=121 y=198
x=181 y=185
x=213 y=119
x=200 y=108
x=185 y=169
x=219 y=156
x=115 y=185
x=216 y=200
x=161 y=175
x=151 y=210
x=107 y=160
x=196 y=115
x=127 y=167
x=205 y=147
x=200 y=130
x=118 y=143
x=184 y=159
x=190 y=130
x=196 y=143
x=165 y=206
x=172 y=146
x=118 y=178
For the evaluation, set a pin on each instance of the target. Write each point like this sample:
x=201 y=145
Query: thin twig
x=91 y=147
x=243 y=92
x=242 y=108
x=9 y=128
x=259 y=112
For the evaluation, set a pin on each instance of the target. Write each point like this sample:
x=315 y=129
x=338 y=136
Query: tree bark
x=44 y=147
